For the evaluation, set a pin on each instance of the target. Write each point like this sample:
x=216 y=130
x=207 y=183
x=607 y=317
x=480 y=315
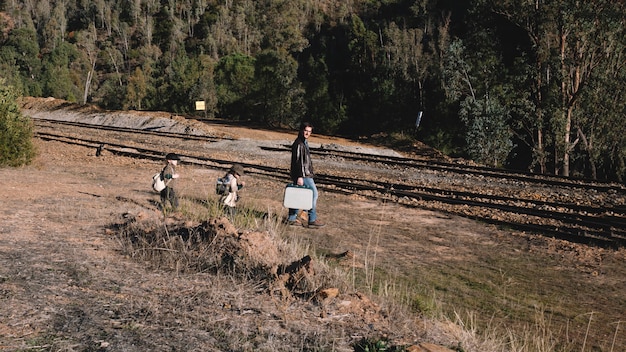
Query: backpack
x=222 y=186
x=158 y=184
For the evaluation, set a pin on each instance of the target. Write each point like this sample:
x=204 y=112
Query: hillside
x=69 y=282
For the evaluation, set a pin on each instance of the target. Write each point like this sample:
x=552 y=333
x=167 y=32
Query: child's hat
x=238 y=169
x=172 y=156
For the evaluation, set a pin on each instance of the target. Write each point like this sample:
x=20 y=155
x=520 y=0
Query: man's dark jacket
x=301 y=164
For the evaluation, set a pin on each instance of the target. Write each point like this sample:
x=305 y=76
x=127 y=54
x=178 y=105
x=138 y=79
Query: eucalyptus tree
x=533 y=69
x=410 y=45
x=361 y=79
x=87 y=41
x=104 y=15
x=55 y=27
x=598 y=120
x=283 y=24
x=570 y=41
x=590 y=34
x=204 y=88
x=232 y=28
x=122 y=42
x=408 y=58
x=324 y=108
x=20 y=63
x=136 y=91
x=482 y=96
x=175 y=85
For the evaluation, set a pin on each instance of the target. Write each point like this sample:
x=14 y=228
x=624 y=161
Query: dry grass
x=271 y=284
x=263 y=264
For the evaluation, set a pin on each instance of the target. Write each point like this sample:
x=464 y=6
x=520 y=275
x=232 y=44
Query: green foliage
x=457 y=78
x=321 y=109
x=175 y=88
x=355 y=68
x=19 y=62
x=57 y=74
x=488 y=134
x=136 y=90
x=16 y=131
x=278 y=95
x=204 y=87
x=376 y=345
x=233 y=80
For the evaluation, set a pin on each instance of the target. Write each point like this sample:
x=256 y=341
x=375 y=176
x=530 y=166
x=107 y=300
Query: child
x=230 y=197
x=170 y=176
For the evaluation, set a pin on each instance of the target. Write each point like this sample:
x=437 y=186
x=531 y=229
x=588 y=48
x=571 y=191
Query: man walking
x=302 y=174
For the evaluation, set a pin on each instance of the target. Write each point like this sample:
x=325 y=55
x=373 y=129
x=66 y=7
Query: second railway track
x=601 y=224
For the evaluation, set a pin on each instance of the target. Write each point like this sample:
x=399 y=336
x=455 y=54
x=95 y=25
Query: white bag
x=298 y=197
x=230 y=199
x=158 y=184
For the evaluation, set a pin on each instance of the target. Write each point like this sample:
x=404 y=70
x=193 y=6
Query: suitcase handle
x=296 y=186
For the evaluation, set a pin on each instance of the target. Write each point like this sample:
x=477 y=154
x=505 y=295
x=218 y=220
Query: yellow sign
x=200 y=105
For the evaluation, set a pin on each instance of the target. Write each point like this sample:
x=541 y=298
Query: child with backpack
x=228 y=187
x=169 y=175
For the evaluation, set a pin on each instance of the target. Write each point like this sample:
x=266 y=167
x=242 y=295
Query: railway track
x=47 y=122
x=599 y=225
x=551 y=180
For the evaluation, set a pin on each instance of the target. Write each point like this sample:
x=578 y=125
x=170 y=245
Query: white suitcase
x=298 y=197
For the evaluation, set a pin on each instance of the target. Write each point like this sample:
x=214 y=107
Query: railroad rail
x=552 y=180
x=153 y=132
x=427 y=163
x=603 y=226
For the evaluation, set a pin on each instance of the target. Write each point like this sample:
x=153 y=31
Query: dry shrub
x=216 y=246
x=308 y=297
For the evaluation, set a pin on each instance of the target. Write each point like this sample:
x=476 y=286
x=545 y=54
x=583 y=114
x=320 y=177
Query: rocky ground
x=66 y=284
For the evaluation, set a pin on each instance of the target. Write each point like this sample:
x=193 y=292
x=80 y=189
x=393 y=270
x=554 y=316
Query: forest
x=531 y=85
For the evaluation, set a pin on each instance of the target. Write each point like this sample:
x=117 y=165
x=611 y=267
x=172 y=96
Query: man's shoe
x=294 y=223
x=316 y=223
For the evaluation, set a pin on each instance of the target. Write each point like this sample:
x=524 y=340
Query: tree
x=589 y=34
x=233 y=80
x=534 y=70
x=87 y=41
x=204 y=87
x=282 y=24
x=321 y=109
x=56 y=73
x=55 y=24
x=136 y=91
x=569 y=41
x=601 y=108
x=488 y=136
x=16 y=131
x=277 y=94
x=20 y=54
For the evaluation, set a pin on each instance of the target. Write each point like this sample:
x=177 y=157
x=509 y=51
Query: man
x=170 y=176
x=302 y=174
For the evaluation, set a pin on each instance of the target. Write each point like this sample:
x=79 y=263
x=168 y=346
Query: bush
x=16 y=131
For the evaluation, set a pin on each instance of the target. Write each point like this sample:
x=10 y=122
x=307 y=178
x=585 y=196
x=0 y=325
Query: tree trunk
x=87 y=85
x=540 y=151
x=588 y=144
x=567 y=141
